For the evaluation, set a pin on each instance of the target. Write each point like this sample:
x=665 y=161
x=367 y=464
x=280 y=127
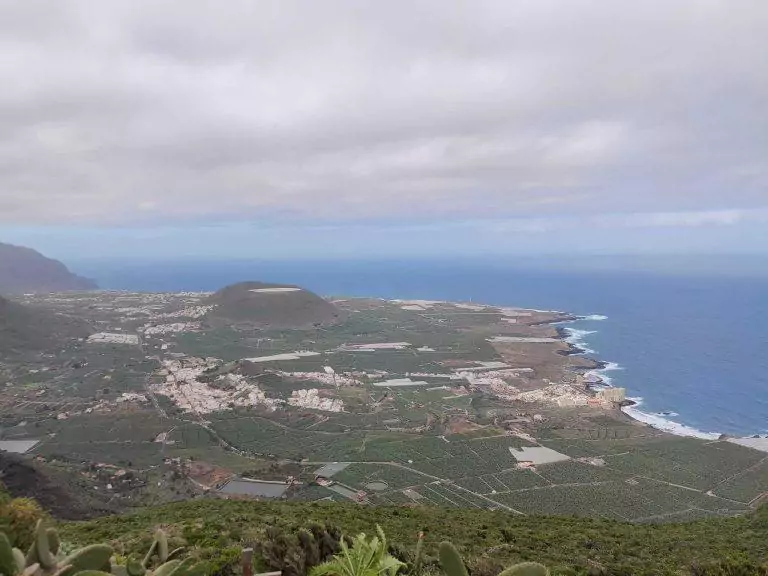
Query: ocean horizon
x=689 y=344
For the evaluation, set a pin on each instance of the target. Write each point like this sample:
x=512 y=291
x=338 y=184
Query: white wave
x=595 y=317
x=601 y=373
x=576 y=338
x=662 y=423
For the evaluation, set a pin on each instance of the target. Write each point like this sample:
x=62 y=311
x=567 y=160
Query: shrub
x=18 y=518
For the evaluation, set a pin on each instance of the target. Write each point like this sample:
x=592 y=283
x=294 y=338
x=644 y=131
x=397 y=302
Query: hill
x=25 y=270
x=270 y=305
x=487 y=540
x=62 y=494
x=24 y=328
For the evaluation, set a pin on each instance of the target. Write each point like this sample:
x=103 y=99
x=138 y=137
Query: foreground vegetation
x=488 y=541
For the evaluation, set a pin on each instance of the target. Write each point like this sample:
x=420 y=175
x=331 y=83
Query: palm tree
x=364 y=558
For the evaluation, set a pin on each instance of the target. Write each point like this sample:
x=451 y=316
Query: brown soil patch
x=462 y=426
x=208 y=474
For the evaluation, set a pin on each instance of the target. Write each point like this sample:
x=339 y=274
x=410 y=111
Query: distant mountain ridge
x=26 y=270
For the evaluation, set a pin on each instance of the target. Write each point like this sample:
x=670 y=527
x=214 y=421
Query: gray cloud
x=160 y=111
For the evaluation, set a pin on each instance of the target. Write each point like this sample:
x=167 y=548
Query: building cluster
x=328 y=378
x=562 y=395
x=131 y=397
x=613 y=394
x=310 y=398
x=183 y=386
x=417 y=305
x=113 y=338
x=176 y=327
x=231 y=390
x=188 y=312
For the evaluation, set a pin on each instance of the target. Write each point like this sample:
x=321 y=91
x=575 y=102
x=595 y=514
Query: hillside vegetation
x=24 y=328
x=270 y=305
x=487 y=540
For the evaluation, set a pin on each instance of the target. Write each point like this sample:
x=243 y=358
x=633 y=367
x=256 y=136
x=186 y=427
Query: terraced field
x=687 y=461
x=745 y=486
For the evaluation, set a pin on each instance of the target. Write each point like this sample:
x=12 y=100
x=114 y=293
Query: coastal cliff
x=25 y=270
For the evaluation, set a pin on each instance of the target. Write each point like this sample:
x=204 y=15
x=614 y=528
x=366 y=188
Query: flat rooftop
x=17 y=446
x=537 y=455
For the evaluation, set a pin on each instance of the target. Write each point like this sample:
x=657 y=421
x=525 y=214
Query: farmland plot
x=358 y=475
x=571 y=472
x=687 y=461
x=747 y=486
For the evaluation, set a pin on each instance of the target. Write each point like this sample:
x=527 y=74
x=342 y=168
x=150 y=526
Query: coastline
x=575 y=337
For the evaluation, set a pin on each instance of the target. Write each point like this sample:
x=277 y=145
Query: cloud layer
x=140 y=111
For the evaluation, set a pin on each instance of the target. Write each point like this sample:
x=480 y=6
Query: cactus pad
x=526 y=569
x=450 y=561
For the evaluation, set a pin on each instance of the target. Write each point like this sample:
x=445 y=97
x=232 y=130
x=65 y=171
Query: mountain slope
x=23 y=328
x=63 y=494
x=487 y=540
x=26 y=270
x=270 y=305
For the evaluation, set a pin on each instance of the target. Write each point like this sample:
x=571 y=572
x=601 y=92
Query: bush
x=18 y=518
x=730 y=568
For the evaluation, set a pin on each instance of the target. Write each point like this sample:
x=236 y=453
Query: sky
x=284 y=129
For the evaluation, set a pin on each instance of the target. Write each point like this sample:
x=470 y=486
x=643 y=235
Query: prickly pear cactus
x=91 y=558
x=417 y=562
x=159 y=548
x=450 y=560
x=169 y=564
x=42 y=560
x=526 y=569
x=9 y=564
x=95 y=560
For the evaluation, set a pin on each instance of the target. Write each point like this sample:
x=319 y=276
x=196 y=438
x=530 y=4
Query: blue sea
x=688 y=341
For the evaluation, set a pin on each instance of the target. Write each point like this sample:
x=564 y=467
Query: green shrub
x=18 y=518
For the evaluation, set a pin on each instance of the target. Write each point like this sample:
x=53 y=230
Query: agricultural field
x=418 y=398
x=746 y=486
x=620 y=500
x=687 y=461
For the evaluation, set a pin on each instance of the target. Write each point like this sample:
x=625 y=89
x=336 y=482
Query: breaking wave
x=601 y=372
x=661 y=422
x=658 y=420
x=576 y=338
x=595 y=317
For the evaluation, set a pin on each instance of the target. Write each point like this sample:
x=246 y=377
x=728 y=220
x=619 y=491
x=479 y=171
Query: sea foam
x=576 y=338
x=658 y=420
x=595 y=317
x=601 y=372
x=661 y=423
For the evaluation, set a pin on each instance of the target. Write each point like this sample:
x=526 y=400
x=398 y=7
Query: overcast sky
x=345 y=128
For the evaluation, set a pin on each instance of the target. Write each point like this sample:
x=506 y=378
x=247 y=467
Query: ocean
x=689 y=345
